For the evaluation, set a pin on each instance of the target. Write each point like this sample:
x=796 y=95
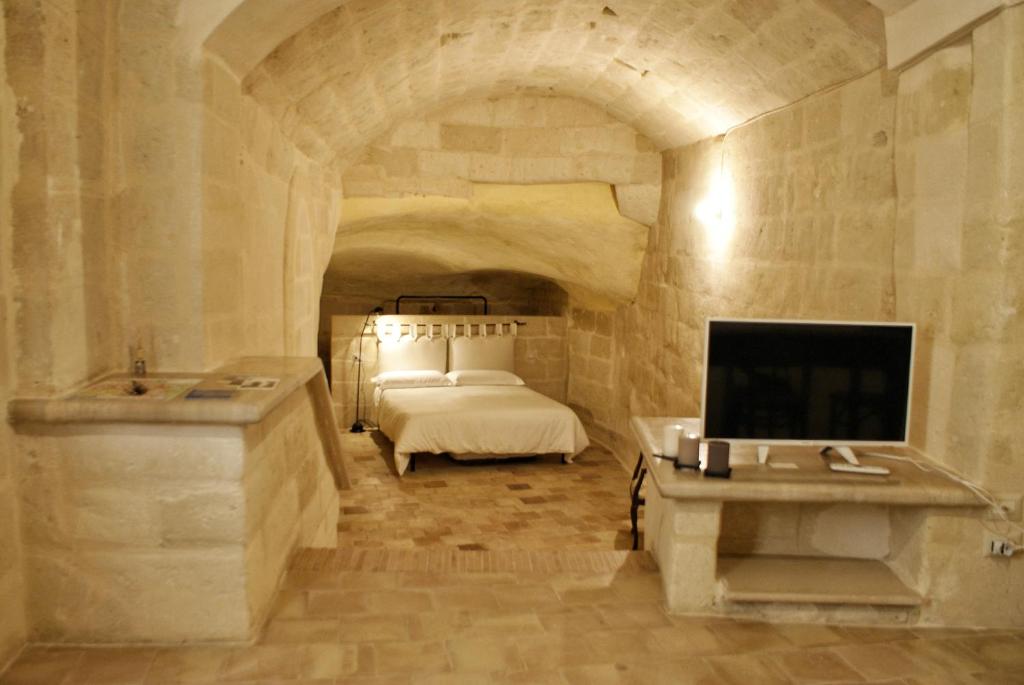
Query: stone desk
x=173 y=520
x=807 y=543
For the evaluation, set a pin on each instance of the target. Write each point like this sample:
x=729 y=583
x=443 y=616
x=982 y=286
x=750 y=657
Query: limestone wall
x=143 y=163
x=149 y=533
x=205 y=185
x=961 y=274
x=129 y=529
x=291 y=501
x=876 y=201
x=524 y=139
x=931 y=171
x=12 y=618
x=890 y=198
x=960 y=156
x=269 y=218
x=158 y=149
x=65 y=246
x=60 y=277
x=806 y=231
x=804 y=205
x=457 y=158
x=593 y=385
x=859 y=531
x=506 y=293
x=541 y=360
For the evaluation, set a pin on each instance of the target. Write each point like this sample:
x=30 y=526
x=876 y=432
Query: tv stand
x=706 y=568
x=853 y=465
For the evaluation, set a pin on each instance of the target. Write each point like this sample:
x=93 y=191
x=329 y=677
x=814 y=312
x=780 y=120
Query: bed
x=481 y=410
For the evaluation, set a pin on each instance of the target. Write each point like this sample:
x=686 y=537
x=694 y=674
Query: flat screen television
x=826 y=383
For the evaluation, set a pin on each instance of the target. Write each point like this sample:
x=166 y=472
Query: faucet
x=139 y=362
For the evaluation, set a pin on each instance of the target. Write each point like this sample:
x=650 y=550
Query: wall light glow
x=717 y=212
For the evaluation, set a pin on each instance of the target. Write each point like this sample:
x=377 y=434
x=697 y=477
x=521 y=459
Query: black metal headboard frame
x=437 y=298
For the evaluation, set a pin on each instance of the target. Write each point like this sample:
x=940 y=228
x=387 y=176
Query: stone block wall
x=931 y=170
x=960 y=259
x=524 y=139
x=12 y=593
x=60 y=301
x=269 y=218
x=150 y=533
x=134 y=533
x=884 y=199
x=593 y=387
x=809 y=233
x=158 y=151
x=506 y=293
x=541 y=359
x=858 y=531
x=66 y=267
x=960 y=274
x=291 y=501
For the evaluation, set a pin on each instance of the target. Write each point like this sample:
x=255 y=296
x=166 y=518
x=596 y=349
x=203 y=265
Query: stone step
x=459 y=561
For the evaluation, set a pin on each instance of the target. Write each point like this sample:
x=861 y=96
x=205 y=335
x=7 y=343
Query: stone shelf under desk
x=812 y=580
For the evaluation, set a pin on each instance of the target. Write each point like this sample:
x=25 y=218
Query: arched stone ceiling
x=247 y=30
x=677 y=70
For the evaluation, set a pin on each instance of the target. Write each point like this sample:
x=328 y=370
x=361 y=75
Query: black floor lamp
x=358 y=426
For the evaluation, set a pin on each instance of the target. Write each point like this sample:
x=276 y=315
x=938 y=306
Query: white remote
x=869 y=470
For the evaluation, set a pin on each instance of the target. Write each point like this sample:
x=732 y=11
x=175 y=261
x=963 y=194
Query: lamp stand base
x=357 y=427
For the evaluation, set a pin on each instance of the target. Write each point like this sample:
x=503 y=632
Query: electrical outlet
x=1011 y=506
x=1000 y=547
x=996 y=546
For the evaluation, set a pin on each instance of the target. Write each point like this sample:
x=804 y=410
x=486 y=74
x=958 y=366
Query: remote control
x=869 y=470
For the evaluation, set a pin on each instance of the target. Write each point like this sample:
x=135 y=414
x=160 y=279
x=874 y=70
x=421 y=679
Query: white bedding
x=479 y=420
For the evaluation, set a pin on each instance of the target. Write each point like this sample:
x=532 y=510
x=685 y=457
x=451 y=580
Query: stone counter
x=177 y=528
x=245 y=407
x=810 y=482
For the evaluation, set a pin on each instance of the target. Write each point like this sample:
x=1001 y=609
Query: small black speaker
x=718 y=460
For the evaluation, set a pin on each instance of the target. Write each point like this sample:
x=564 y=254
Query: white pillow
x=411 y=379
x=484 y=377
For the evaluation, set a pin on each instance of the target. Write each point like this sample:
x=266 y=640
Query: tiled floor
x=335 y=625
x=524 y=504
x=412 y=612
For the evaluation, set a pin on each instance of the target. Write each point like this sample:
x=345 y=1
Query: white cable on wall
x=980 y=492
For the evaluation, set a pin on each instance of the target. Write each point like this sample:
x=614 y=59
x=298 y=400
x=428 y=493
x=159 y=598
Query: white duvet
x=478 y=420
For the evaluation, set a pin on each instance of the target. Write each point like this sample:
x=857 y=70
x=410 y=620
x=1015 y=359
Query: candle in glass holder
x=688 y=455
x=670 y=440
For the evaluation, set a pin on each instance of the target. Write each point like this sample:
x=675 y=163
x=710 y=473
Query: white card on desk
x=786 y=465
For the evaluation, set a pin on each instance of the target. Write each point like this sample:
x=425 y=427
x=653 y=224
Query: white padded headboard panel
x=422 y=354
x=492 y=352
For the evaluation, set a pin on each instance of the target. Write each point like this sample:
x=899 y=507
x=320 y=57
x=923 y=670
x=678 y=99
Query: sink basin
x=136 y=389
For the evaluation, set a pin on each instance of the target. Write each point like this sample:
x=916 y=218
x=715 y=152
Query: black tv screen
x=828 y=383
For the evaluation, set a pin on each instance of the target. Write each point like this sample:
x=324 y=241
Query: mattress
x=477 y=420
